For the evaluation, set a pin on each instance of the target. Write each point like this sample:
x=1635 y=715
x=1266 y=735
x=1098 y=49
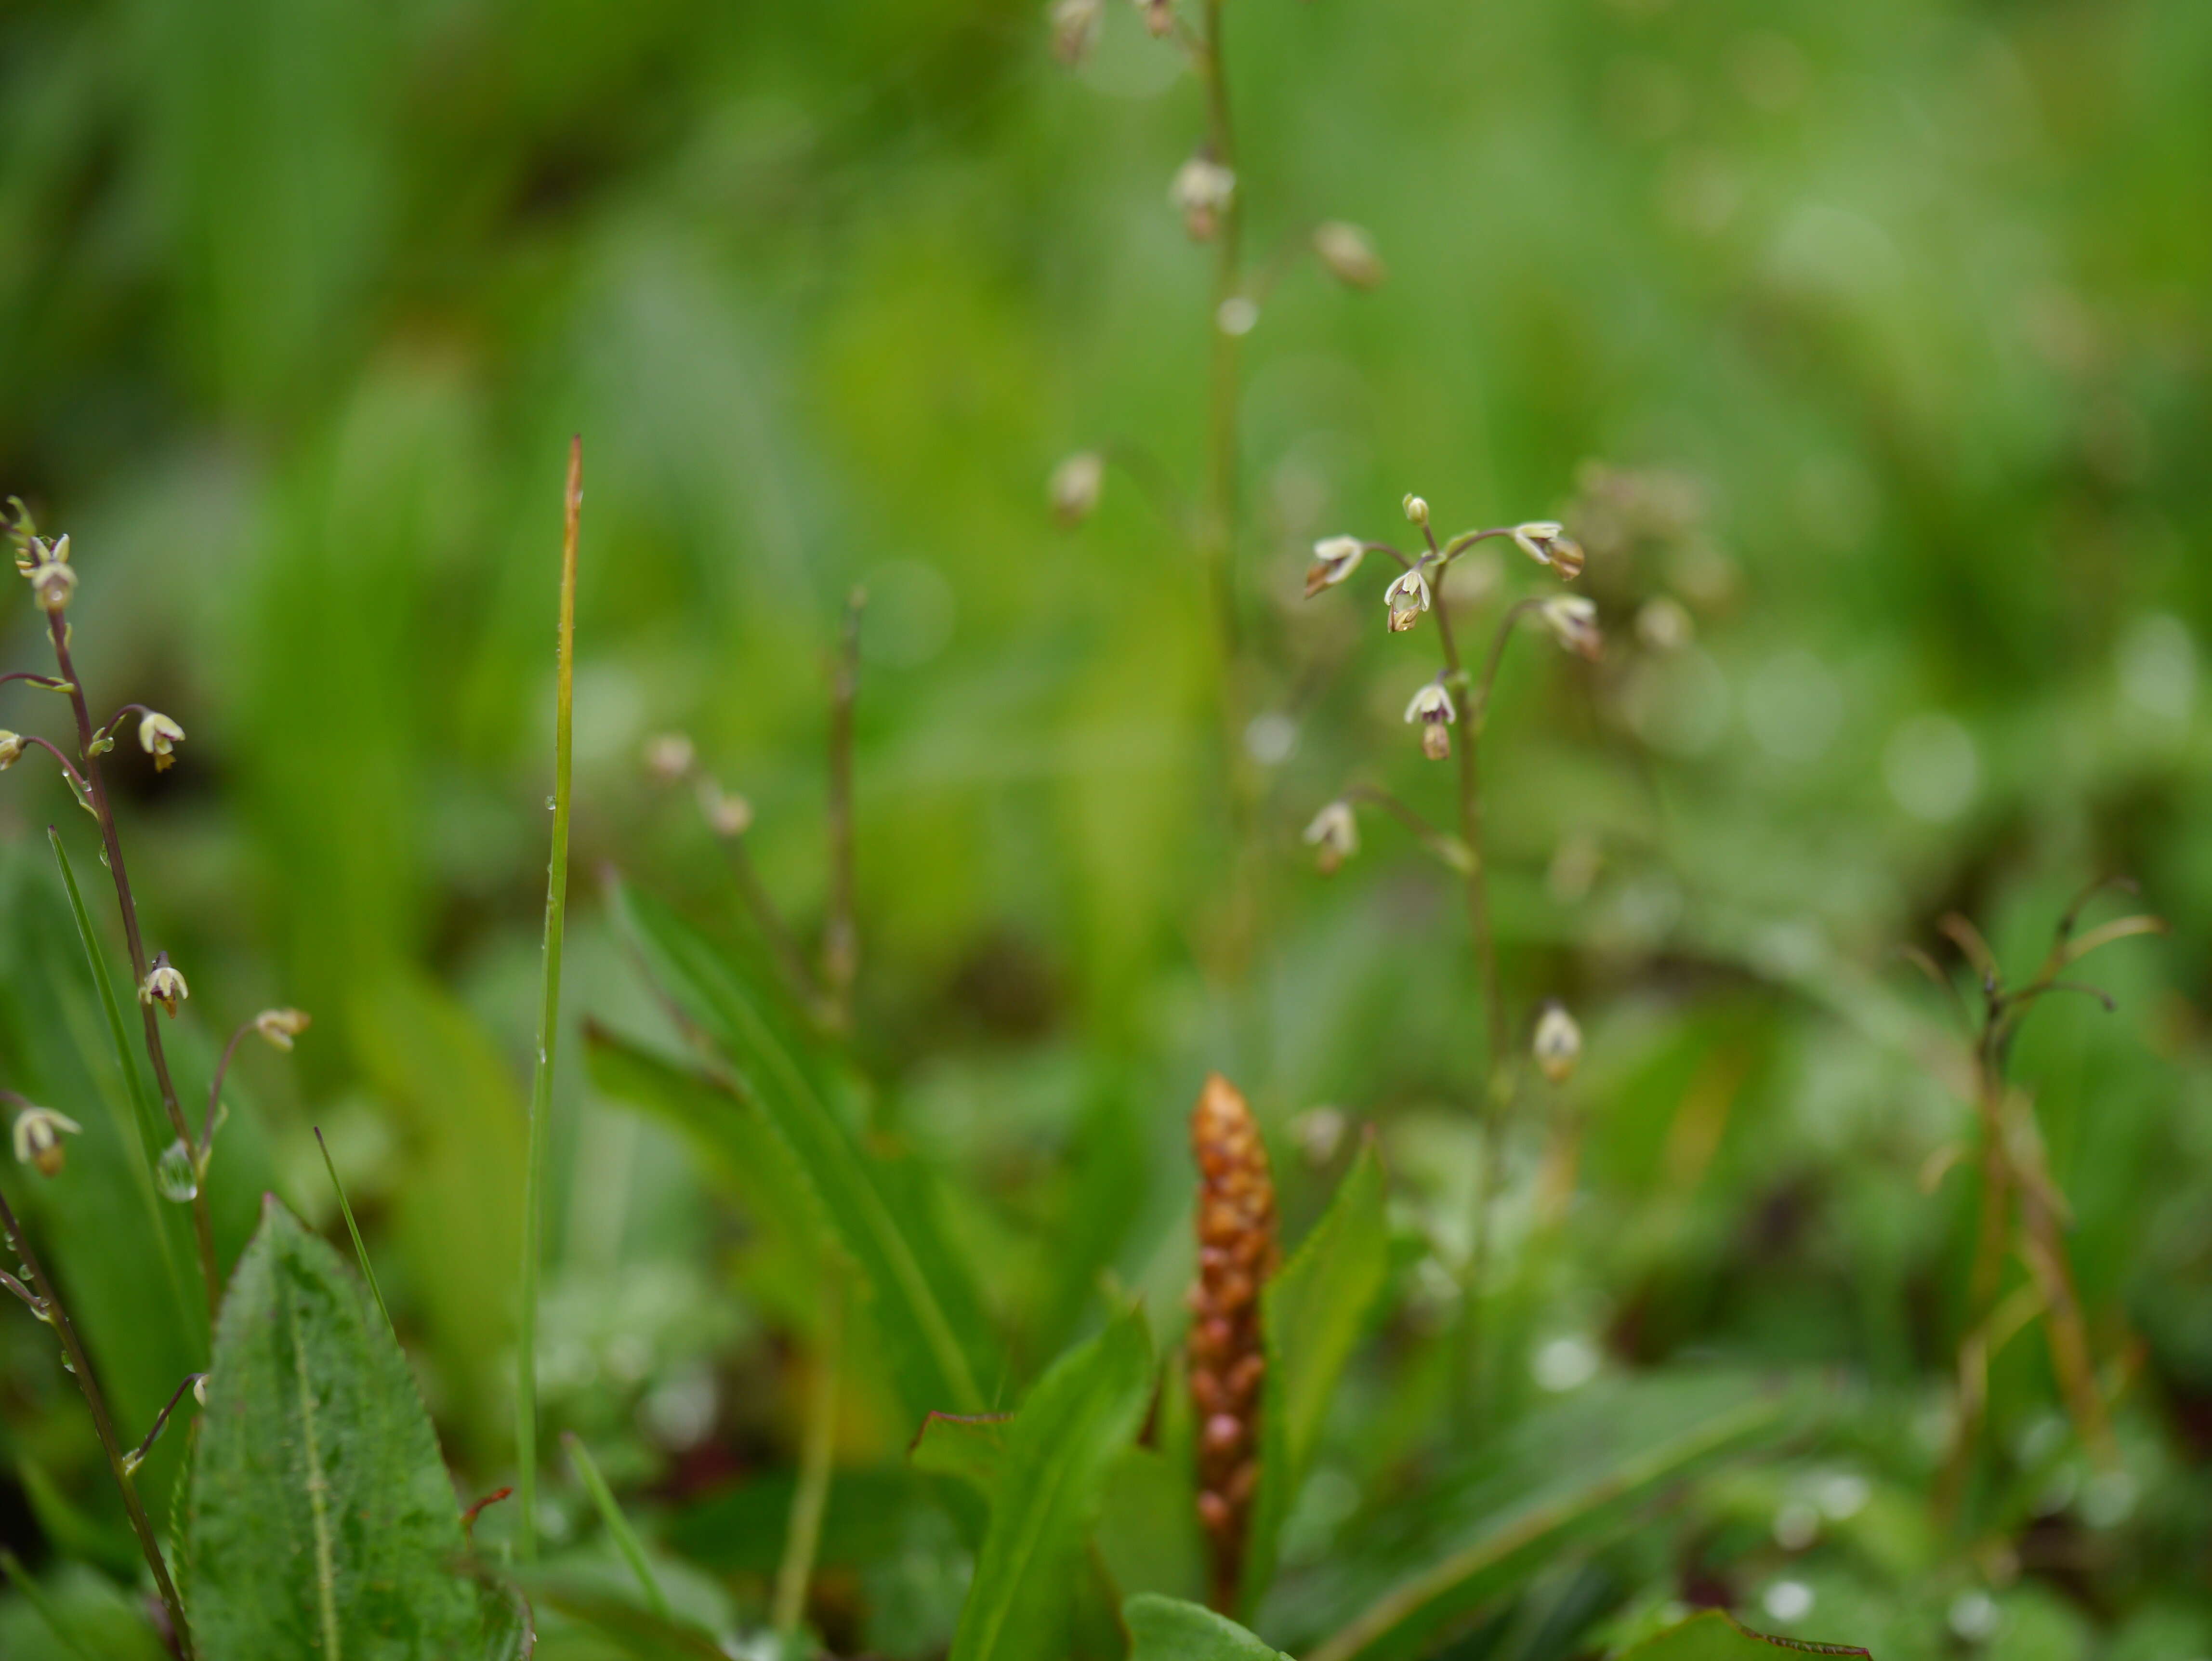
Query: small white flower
x=158 y=736
x=1335 y=833
x=1545 y=541
x=1434 y=708
x=11 y=746
x=52 y=578
x=164 y=985
x=1347 y=253
x=1202 y=192
x=1407 y=597
x=1334 y=559
x=39 y=1133
x=281 y=1026
x=1558 y=1044
x=669 y=755
x=1663 y=625
x=1573 y=623
x=1075 y=29
x=1075 y=487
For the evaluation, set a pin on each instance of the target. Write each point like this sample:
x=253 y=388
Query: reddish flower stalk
x=1236 y=1253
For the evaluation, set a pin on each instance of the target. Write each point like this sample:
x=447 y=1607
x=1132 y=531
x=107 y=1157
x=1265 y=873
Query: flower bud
x=1663 y=625
x=39 y=1133
x=11 y=746
x=669 y=755
x=1434 y=708
x=281 y=1026
x=1076 y=485
x=1416 y=508
x=163 y=985
x=1334 y=836
x=1159 y=17
x=158 y=736
x=53 y=580
x=728 y=814
x=1572 y=620
x=1202 y=192
x=1347 y=253
x=1075 y=29
x=1334 y=559
x=1558 y=1044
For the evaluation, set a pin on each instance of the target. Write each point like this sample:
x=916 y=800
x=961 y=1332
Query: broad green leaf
x=1170 y=1629
x=1311 y=1315
x=1059 y=1451
x=917 y=1298
x=1148 y=1535
x=971 y=1447
x=1714 y=1636
x=1425 y=1569
x=320 y=1520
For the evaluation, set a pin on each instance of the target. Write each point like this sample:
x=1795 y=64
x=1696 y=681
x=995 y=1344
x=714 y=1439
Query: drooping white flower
x=1334 y=559
x=39 y=1133
x=158 y=736
x=1572 y=620
x=1334 y=833
x=1435 y=710
x=1558 y=1044
x=1546 y=541
x=1075 y=487
x=1407 y=597
x=164 y=985
x=281 y=1026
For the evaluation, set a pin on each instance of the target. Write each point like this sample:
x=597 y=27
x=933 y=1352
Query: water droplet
x=549 y=804
x=175 y=1175
x=68 y=1365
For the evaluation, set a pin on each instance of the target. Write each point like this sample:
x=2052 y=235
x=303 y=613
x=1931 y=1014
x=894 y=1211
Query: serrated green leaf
x=1059 y=1451
x=1170 y=1629
x=1714 y=1635
x=1556 y=1482
x=917 y=1297
x=320 y=1520
x=1311 y=1315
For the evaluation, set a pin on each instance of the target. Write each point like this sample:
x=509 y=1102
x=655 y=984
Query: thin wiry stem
x=549 y=1022
x=803 y=1533
x=1497 y=1089
x=617 y=1525
x=214 y=1085
x=137 y=1457
x=841 y=939
x=95 y=794
x=80 y=1368
x=1450 y=851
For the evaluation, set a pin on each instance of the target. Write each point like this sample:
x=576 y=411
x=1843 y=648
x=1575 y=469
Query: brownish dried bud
x=1237 y=1254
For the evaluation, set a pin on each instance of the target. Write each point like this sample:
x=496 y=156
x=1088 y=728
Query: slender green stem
x=811 y=1499
x=548 y=1025
x=1497 y=1092
x=617 y=1525
x=360 y=1249
x=840 y=939
x=95 y=794
x=80 y=1368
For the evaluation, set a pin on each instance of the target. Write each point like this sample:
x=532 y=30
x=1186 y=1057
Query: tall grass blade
x=548 y=1020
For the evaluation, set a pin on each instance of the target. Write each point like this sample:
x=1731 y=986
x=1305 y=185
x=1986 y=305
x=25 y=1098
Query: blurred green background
x=1885 y=326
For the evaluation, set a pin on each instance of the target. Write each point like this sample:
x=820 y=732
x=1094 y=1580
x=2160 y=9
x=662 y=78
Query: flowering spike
x=1236 y=1254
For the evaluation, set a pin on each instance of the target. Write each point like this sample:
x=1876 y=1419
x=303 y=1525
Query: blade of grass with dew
x=617 y=1525
x=360 y=1251
x=548 y=1019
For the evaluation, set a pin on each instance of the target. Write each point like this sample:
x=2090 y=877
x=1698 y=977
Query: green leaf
x=1556 y=1482
x=969 y=1447
x=916 y=1296
x=320 y=1520
x=1168 y=1629
x=1059 y=1451
x=631 y=1628
x=1311 y=1315
x=1714 y=1635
